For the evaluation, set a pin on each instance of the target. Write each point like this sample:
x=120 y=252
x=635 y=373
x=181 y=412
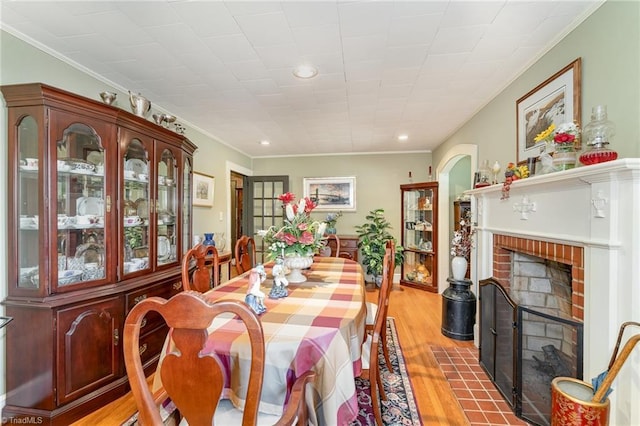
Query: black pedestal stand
x=458 y=310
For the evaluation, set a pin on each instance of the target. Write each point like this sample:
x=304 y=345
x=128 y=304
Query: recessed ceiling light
x=305 y=71
x=403 y=137
x=265 y=143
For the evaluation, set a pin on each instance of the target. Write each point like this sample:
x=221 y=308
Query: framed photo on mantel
x=554 y=101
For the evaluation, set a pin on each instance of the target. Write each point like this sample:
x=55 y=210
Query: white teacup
x=137 y=264
x=132 y=220
x=63 y=220
x=129 y=174
x=32 y=163
x=84 y=220
x=169 y=181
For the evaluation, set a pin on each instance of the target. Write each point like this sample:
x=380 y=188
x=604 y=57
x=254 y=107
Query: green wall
x=608 y=42
x=378 y=180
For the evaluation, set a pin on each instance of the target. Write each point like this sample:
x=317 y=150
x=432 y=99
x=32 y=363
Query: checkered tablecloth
x=319 y=327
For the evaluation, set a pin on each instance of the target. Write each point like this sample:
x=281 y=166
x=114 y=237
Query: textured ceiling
x=386 y=68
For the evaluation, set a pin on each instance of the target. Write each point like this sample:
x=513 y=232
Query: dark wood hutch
x=99 y=218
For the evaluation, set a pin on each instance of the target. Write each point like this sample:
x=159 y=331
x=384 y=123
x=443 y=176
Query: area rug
x=400 y=408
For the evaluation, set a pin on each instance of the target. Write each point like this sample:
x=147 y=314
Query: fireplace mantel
x=595 y=207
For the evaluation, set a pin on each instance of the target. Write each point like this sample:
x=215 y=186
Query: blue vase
x=208 y=239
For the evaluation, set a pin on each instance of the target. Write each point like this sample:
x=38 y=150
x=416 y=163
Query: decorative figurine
x=255 y=297
x=280 y=282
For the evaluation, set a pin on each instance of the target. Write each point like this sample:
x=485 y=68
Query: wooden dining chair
x=207 y=265
x=194 y=381
x=383 y=297
x=332 y=248
x=245 y=253
x=374 y=337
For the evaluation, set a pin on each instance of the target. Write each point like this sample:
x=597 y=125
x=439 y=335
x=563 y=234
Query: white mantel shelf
x=596 y=207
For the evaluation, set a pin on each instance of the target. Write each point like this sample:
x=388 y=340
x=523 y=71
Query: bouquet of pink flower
x=300 y=235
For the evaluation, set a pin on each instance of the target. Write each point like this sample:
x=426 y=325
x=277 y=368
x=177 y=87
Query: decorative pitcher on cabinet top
x=139 y=104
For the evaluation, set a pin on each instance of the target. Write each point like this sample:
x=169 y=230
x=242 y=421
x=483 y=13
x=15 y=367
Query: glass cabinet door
x=81 y=203
x=29 y=198
x=186 y=205
x=136 y=206
x=166 y=206
x=418 y=237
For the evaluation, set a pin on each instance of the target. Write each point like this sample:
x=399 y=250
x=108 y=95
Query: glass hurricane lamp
x=597 y=135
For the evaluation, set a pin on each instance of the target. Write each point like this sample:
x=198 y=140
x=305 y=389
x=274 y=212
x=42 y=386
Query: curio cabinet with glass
x=99 y=217
x=419 y=235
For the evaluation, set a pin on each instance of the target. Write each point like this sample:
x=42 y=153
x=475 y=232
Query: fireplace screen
x=522 y=350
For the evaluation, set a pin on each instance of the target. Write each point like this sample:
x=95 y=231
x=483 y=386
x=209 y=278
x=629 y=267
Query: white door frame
x=455 y=154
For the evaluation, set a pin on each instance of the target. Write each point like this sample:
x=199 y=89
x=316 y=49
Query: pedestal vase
x=296 y=264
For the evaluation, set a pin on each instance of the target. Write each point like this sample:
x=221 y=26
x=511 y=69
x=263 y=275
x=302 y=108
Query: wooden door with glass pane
x=262 y=208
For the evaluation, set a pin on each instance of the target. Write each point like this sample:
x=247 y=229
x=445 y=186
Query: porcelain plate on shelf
x=90 y=206
x=136 y=165
x=164 y=248
x=142 y=208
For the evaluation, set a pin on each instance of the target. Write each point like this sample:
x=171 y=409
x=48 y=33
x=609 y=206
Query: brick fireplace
x=504 y=246
x=585 y=218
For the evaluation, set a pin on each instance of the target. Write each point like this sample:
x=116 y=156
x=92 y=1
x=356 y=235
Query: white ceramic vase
x=458 y=267
x=296 y=264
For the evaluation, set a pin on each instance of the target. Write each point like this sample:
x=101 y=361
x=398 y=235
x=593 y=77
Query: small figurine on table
x=255 y=297
x=280 y=282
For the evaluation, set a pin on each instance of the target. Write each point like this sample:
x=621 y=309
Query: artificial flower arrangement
x=565 y=135
x=332 y=220
x=300 y=235
x=462 y=241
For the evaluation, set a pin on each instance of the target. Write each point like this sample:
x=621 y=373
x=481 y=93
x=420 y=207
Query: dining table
x=319 y=326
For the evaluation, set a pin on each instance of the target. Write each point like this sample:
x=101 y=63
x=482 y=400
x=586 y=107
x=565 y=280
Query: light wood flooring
x=418 y=316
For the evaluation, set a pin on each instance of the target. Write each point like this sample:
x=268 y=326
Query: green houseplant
x=372 y=239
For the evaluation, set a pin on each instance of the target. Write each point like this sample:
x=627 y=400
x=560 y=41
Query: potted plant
x=372 y=239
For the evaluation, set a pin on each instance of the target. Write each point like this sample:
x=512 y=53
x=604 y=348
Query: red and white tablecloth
x=319 y=327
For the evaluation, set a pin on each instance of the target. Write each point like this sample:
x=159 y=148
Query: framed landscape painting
x=554 y=101
x=332 y=193
x=203 y=190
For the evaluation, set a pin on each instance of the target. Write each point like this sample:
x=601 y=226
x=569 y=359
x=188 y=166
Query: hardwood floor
x=418 y=315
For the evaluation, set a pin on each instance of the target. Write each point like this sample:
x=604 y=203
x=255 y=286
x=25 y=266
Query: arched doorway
x=444 y=168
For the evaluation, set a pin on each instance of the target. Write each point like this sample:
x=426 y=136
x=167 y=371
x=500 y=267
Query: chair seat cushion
x=372 y=309
x=366 y=352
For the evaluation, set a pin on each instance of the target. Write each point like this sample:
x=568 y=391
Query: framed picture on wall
x=332 y=193
x=203 y=190
x=554 y=101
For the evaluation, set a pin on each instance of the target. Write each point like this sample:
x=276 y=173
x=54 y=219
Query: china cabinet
x=419 y=235
x=99 y=216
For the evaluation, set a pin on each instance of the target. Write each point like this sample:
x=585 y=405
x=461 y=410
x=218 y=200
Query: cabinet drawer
x=351 y=243
x=164 y=290
x=150 y=344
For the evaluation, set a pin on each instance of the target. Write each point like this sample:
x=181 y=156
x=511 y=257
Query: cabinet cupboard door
x=136 y=217
x=88 y=347
x=83 y=149
x=168 y=235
